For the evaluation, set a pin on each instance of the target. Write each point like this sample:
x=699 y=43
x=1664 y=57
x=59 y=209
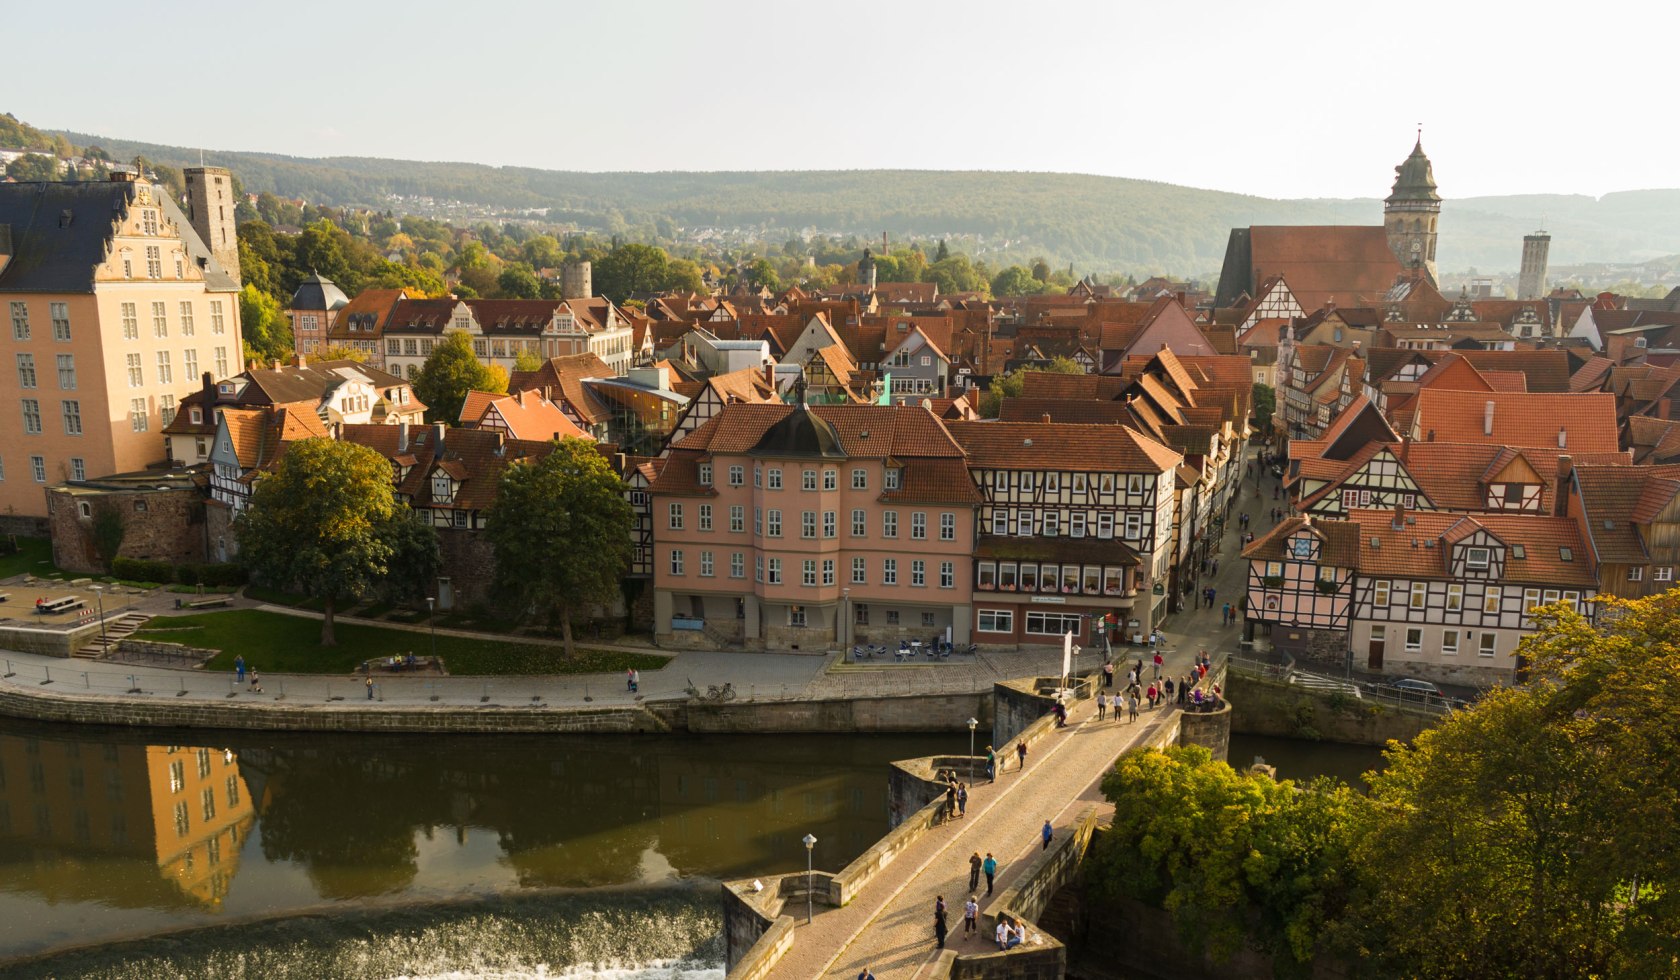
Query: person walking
x=990 y=866
x=1169 y=689
x=1102 y=706
x=1046 y=833
x=939 y=921
x=974 y=872
x=369 y=684
x=630 y=679
x=1225 y=614
x=991 y=764
x=239 y=668
x=1021 y=754
x=962 y=800
x=951 y=800
x=1158 y=663
x=971 y=917
x=256 y=682
x=1108 y=674
x=865 y=974
x=1132 y=705
x=1152 y=697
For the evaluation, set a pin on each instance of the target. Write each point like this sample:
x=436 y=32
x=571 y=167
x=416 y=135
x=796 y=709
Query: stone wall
x=174 y=652
x=25 y=527
x=911 y=784
x=915 y=713
x=158 y=525
x=1209 y=729
x=469 y=562
x=1266 y=707
x=1016 y=705
x=47 y=642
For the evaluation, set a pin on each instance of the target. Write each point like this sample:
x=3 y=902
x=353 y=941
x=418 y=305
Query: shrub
x=187 y=574
x=225 y=574
x=142 y=570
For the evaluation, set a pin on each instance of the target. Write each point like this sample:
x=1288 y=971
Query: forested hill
x=1099 y=224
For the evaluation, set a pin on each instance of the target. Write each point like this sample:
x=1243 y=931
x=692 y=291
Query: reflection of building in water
x=183 y=810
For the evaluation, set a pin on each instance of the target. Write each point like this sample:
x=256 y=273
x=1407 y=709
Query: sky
x=1279 y=99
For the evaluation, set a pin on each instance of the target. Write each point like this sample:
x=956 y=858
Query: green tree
x=268 y=336
x=1012 y=384
x=321 y=248
x=1016 y=281
x=1040 y=270
x=957 y=275
x=316 y=524
x=518 y=281
x=684 y=276
x=630 y=270
x=449 y=373
x=560 y=528
x=761 y=274
x=1265 y=403
x=527 y=360
x=108 y=531
x=340 y=352
x=33 y=166
x=415 y=558
x=941 y=253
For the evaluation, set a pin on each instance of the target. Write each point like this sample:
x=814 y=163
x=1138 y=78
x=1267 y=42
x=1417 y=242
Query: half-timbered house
x=1301 y=578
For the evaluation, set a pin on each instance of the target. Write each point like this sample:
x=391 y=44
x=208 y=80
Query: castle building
x=115 y=304
x=1531 y=281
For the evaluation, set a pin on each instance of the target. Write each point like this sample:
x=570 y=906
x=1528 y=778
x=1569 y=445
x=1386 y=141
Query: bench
x=61 y=604
x=4 y=596
x=216 y=600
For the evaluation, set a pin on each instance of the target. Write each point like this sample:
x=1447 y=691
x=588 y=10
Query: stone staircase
x=115 y=631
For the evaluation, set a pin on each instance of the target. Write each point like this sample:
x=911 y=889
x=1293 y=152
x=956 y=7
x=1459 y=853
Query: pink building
x=792 y=527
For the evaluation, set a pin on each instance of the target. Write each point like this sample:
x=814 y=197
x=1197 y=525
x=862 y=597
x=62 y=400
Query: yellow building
x=112 y=306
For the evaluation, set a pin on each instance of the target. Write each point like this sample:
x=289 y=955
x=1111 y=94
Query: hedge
x=145 y=570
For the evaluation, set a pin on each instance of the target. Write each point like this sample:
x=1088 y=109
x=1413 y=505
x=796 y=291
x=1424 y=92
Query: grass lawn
x=291 y=644
x=34 y=555
x=275 y=597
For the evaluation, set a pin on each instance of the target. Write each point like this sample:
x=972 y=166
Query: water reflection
x=102 y=832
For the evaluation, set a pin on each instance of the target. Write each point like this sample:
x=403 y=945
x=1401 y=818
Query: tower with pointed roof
x=1412 y=213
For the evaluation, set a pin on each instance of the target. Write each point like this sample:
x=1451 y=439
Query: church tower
x=210 y=196
x=1531 y=282
x=1411 y=214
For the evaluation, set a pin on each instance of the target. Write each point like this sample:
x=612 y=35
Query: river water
x=1301 y=760
x=276 y=855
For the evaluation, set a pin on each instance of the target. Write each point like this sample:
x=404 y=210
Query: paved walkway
x=888 y=927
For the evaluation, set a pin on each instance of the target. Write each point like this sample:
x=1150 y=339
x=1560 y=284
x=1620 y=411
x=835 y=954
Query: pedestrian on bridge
x=971 y=916
x=239 y=668
x=865 y=974
x=939 y=921
x=974 y=863
x=990 y=868
x=1046 y=833
x=991 y=764
x=1021 y=754
x=962 y=800
x=1102 y=706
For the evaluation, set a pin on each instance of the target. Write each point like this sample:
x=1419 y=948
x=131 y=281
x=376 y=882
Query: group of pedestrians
x=239 y=674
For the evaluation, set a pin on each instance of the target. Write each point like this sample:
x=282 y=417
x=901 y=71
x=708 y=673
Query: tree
x=684 y=276
x=1016 y=281
x=268 y=336
x=1011 y=385
x=108 y=531
x=560 y=528
x=518 y=281
x=941 y=253
x=415 y=558
x=630 y=270
x=450 y=371
x=33 y=166
x=1040 y=270
x=339 y=352
x=957 y=275
x=526 y=359
x=1265 y=403
x=321 y=248
x=316 y=524
x=761 y=274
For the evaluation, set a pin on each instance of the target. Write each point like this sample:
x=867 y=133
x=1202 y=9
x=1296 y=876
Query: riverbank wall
x=1263 y=706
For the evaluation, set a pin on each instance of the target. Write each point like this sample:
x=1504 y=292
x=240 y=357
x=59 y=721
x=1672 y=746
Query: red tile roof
x=1587 y=421
x=1386 y=550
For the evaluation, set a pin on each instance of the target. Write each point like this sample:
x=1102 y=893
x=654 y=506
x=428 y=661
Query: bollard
x=586 y=696
x=282 y=695
x=486 y=696
x=49 y=677
x=9 y=671
x=432 y=686
x=183 y=691
x=133 y=684
x=85 y=683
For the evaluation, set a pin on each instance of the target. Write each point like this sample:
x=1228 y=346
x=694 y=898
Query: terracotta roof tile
x=1519 y=419
x=1543 y=539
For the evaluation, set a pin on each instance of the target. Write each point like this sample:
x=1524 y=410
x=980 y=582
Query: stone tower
x=1531 y=283
x=1412 y=212
x=866 y=270
x=576 y=281
x=210 y=196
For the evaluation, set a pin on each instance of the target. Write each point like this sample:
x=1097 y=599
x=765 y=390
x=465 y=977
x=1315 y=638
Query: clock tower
x=1411 y=213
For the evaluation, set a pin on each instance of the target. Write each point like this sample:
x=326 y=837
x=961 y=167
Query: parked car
x=1411 y=685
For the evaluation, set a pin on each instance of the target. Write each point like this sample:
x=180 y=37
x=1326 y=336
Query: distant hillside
x=1099 y=224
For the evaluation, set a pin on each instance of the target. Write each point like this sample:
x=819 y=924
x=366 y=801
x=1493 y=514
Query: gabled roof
x=1386 y=550
x=1338 y=541
x=561 y=380
x=1035 y=445
x=528 y=416
x=1580 y=422
x=1351 y=265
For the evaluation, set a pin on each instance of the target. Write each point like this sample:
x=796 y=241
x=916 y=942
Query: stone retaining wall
x=916 y=713
x=47 y=642
x=171 y=651
x=1265 y=707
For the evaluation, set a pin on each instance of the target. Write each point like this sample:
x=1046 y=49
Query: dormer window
x=891 y=478
x=705 y=474
x=1476 y=559
x=442 y=486
x=197 y=416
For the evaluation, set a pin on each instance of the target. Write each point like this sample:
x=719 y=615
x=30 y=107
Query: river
x=1301 y=760
x=199 y=854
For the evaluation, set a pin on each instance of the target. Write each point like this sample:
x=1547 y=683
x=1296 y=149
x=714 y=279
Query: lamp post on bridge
x=99 y=593
x=972 y=724
x=810 y=842
x=431 y=620
x=845 y=623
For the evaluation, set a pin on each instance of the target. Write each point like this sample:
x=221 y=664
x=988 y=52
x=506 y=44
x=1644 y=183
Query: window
x=860 y=613
x=39 y=465
x=889 y=571
x=1000 y=480
x=166 y=375
x=891 y=478
x=737 y=476
x=775 y=479
x=409 y=348
x=1052 y=624
x=1379 y=594
x=1663 y=573
x=1420 y=595
x=774 y=527
x=60 y=320
x=186 y=318
x=1455 y=597
x=1079 y=483
x=918 y=526
x=1000 y=521
x=758 y=520
x=705 y=474
x=860 y=479
x=26 y=370
x=72 y=418
x=705 y=517
x=947 y=527
x=31 y=416
x=675 y=517
x=889 y=524
x=676 y=561
x=481 y=349
x=1490 y=599
x=860 y=524
x=737 y=565
x=1052 y=482
x=737 y=518
x=160 y=319
x=1636 y=573
x=1573 y=599
x=20 y=319
x=1414 y=640
x=860 y=571
x=222 y=362
x=775 y=571
x=918 y=572
x=947 y=575
x=67 y=372
x=189 y=364
x=1476 y=559
x=808 y=479
x=808 y=572
x=1449 y=643
x=758 y=475
x=706 y=564
x=136 y=374
x=892 y=617
x=828 y=571
x=1024 y=523
x=997 y=621
x=985 y=576
x=1134 y=526
x=808 y=524
x=217 y=323
x=831 y=479
x=1052 y=524
x=830 y=524
x=1551 y=596
x=1489 y=641
x=796 y=616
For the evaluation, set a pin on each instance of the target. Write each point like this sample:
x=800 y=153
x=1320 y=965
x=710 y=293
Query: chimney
x=298 y=360
x=1560 y=493
x=437 y=440
x=402 y=437
x=1399 y=517
x=1181 y=297
x=275 y=364
x=209 y=389
x=1563 y=437
x=1487 y=418
x=1045 y=418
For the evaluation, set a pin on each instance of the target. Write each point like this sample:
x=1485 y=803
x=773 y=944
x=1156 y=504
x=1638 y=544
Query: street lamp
x=972 y=724
x=99 y=592
x=810 y=842
x=431 y=619
x=845 y=623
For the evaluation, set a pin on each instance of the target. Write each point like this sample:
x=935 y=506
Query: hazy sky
x=1282 y=99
